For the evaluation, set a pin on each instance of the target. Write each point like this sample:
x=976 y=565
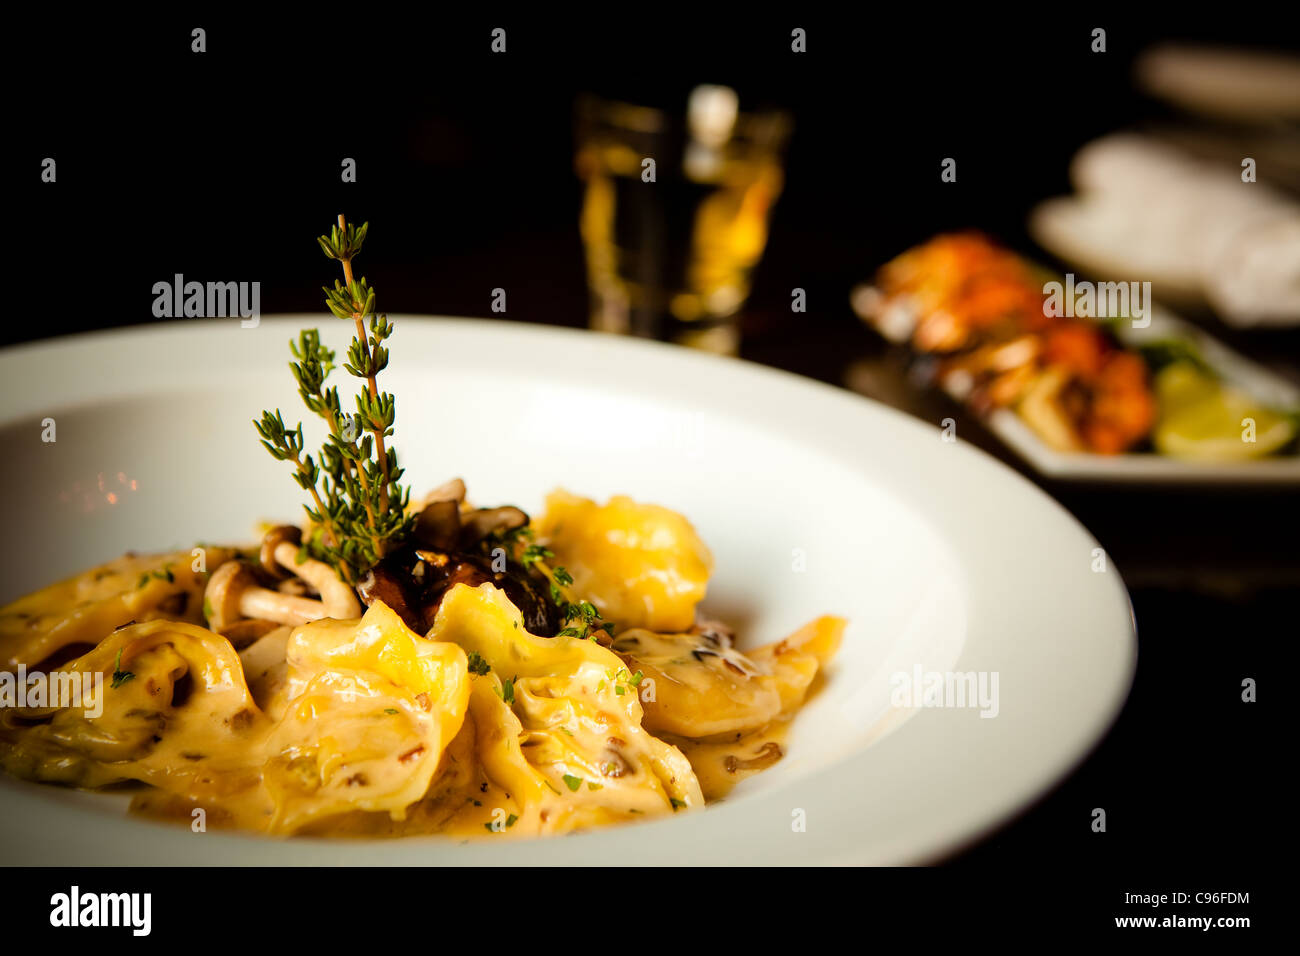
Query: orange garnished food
x=982 y=311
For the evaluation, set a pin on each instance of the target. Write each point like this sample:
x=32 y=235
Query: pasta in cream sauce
x=410 y=715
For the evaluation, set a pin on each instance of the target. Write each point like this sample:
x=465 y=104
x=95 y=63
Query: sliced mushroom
x=280 y=534
x=295 y=586
x=233 y=594
x=338 y=598
x=763 y=758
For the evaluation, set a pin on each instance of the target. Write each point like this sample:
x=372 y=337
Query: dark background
x=226 y=166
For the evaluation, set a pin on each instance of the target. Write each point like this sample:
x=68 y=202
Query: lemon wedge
x=1181 y=384
x=1204 y=420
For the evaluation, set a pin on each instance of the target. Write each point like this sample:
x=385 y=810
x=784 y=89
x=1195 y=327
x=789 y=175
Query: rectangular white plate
x=1235 y=368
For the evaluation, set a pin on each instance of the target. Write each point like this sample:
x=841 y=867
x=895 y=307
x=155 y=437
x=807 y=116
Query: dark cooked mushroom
x=412 y=581
x=449 y=546
x=438 y=526
x=477 y=525
x=385 y=582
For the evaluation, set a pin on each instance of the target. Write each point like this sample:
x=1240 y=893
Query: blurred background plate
x=1235 y=369
x=1236 y=372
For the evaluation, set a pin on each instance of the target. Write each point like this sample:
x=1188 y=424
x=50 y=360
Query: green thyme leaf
x=120 y=676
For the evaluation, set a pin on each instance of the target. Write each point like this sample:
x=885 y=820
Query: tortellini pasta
x=559 y=723
x=705 y=688
x=370 y=707
x=366 y=727
x=82 y=609
x=641 y=565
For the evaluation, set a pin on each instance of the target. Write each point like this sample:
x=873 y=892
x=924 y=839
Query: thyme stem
x=360 y=508
x=358 y=316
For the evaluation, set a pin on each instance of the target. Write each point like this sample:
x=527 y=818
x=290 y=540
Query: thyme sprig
x=359 y=507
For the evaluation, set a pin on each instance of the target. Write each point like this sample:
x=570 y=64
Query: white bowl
x=941 y=558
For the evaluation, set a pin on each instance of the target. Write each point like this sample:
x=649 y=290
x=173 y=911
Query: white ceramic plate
x=940 y=558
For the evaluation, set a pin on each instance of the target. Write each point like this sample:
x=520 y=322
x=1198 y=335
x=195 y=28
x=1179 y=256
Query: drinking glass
x=675 y=213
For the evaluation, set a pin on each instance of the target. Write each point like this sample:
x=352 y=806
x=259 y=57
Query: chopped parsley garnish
x=535 y=553
x=582 y=619
x=514 y=535
x=120 y=676
x=477 y=665
x=162 y=574
x=507 y=691
x=493 y=828
x=677 y=804
x=618 y=677
x=572 y=782
x=391 y=710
